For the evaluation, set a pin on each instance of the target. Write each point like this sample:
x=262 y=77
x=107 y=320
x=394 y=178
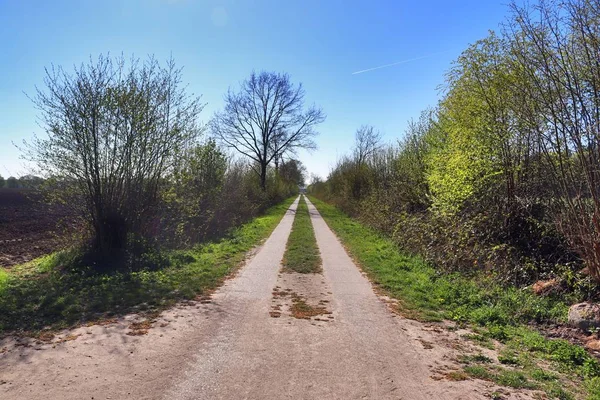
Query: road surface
x=245 y=344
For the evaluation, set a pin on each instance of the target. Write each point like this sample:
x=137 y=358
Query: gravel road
x=235 y=347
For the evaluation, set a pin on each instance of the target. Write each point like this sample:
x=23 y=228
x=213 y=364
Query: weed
x=475 y=358
x=593 y=387
x=509 y=358
x=560 y=394
x=541 y=375
x=480 y=340
x=515 y=379
x=479 y=372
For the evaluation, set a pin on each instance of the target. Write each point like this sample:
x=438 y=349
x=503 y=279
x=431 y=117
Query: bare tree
x=315 y=179
x=368 y=141
x=114 y=130
x=556 y=46
x=266 y=119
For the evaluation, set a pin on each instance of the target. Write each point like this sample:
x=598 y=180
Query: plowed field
x=30 y=228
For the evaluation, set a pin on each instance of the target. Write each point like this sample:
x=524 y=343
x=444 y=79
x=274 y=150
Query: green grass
x=51 y=293
x=3 y=279
x=429 y=295
x=302 y=254
x=496 y=313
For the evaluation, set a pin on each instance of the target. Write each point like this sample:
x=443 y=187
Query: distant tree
x=114 y=130
x=368 y=141
x=30 y=181
x=293 y=171
x=12 y=182
x=266 y=119
x=315 y=179
x=2 y=181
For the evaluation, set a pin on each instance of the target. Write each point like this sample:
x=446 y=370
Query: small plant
x=515 y=379
x=479 y=372
x=475 y=358
x=480 y=340
x=509 y=359
x=457 y=376
x=593 y=387
x=541 y=375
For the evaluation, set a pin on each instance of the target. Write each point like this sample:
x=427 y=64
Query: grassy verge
x=302 y=254
x=50 y=293
x=497 y=314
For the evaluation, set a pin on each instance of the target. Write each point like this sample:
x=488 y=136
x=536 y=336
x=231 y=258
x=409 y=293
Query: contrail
x=398 y=63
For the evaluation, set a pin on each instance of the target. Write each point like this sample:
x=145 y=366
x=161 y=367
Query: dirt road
x=245 y=344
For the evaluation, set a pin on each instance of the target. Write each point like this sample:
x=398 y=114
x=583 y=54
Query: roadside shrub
x=466 y=188
x=115 y=130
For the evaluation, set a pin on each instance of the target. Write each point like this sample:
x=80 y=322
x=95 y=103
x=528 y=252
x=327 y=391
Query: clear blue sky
x=219 y=42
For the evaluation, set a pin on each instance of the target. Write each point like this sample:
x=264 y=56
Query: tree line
x=125 y=150
x=11 y=182
x=503 y=175
x=26 y=181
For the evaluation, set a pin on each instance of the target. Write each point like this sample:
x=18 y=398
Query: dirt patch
x=302 y=310
x=46 y=336
x=68 y=337
x=140 y=328
x=302 y=296
x=591 y=341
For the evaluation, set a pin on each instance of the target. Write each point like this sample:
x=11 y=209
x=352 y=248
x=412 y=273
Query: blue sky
x=219 y=42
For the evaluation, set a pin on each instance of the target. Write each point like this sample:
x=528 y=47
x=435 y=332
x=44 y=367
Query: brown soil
x=302 y=310
x=304 y=296
x=29 y=227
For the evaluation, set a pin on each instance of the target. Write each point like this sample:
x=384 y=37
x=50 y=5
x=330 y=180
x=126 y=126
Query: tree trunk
x=263 y=176
x=276 y=160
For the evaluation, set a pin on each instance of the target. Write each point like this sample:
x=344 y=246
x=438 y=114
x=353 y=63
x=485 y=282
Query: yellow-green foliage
x=473 y=127
x=459 y=164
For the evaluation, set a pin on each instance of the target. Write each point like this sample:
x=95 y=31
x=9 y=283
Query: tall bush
x=114 y=131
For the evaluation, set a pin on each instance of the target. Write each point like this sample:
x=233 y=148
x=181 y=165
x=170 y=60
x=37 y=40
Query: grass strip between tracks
x=302 y=253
